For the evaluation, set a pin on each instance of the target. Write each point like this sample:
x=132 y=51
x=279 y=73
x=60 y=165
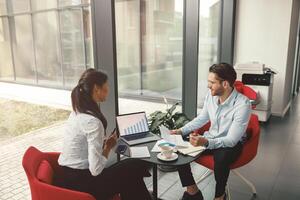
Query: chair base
x=208 y=172
x=249 y=183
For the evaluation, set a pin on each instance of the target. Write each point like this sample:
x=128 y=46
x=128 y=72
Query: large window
x=6 y=73
x=48 y=60
x=23 y=52
x=149 y=36
x=47 y=42
x=209 y=29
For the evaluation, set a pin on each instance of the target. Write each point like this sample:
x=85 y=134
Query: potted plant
x=170 y=120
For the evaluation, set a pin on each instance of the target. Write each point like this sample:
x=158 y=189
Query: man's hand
x=197 y=140
x=176 y=132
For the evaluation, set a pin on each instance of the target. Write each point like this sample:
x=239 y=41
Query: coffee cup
x=166 y=151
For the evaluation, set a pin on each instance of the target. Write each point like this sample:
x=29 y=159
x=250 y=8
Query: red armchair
x=250 y=147
x=40 y=168
x=248 y=153
x=247 y=91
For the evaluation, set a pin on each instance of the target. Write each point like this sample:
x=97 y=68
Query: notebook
x=139 y=152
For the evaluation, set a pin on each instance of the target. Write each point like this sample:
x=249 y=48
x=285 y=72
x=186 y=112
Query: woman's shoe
x=225 y=196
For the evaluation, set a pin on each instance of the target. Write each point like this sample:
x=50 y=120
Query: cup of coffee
x=166 y=151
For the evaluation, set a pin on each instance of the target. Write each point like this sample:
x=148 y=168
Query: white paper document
x=191 y=150
x=182 y=146
x=194 y=154
x=173 y=139
x=139 y=152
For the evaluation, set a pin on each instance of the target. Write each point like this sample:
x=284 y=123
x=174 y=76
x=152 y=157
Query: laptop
x=133 y=128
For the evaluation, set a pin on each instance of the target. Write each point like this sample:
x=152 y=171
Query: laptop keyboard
x=138 y=137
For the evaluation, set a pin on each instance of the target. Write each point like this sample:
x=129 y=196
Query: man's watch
x=206 y=144
x=179 y=132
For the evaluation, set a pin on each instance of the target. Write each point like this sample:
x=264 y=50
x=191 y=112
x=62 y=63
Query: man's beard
x=218 y=92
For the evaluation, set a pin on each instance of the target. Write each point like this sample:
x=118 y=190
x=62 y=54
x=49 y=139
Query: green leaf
x=154 y=114
x=170 y=110
x=170 y=120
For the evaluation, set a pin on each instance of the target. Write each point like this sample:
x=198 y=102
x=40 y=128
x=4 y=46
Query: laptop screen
x=132 y=123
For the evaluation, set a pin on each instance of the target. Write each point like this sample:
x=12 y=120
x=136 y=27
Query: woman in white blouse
x=86 y=148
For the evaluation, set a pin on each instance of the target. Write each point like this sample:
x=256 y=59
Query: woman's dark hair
x=81 y=95
x=225 y=72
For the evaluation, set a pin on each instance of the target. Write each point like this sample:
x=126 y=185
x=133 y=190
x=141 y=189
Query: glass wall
x=149 y=36
x=47 y=42
x=209 y=31
x=6 y=66
x=23 y=50
x=47 y=59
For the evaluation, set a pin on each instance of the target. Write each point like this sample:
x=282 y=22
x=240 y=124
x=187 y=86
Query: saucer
x=173 y=157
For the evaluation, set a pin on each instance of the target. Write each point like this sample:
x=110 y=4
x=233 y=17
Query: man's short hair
x=224 y=71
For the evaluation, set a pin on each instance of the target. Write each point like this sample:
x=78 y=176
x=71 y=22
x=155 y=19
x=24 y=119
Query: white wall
x=263 y=35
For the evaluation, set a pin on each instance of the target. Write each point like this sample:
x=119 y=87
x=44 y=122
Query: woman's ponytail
x=81 y=95
x=75 y=96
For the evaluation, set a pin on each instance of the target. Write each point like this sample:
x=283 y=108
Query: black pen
x=106 y=137
x=113 y=131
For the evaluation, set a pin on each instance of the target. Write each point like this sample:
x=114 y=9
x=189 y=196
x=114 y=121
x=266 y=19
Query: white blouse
x=83 y=143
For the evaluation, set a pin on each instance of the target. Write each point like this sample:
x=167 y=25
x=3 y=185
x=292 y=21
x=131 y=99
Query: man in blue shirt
x=229 y=113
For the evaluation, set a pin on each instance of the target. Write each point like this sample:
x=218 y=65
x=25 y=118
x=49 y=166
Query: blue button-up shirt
x=229 y=120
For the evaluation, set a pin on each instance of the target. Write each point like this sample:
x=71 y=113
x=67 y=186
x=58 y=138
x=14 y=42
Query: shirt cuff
x=104 y=160
x=183 y=131
x=211 y=143
x=99 y=166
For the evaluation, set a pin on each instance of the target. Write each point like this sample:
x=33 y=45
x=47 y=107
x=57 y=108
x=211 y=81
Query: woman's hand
x=109 y=143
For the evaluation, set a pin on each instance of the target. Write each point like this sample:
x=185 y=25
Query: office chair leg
x=247 y=182
x=207 y=173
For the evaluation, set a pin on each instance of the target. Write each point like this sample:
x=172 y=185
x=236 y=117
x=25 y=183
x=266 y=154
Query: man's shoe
x=197 y=196
x=185 y=196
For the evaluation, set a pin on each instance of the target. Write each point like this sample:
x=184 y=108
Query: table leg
x=118 y=157
x=154 y=171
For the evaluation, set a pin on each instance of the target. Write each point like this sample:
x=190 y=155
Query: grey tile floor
x=274 y=171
